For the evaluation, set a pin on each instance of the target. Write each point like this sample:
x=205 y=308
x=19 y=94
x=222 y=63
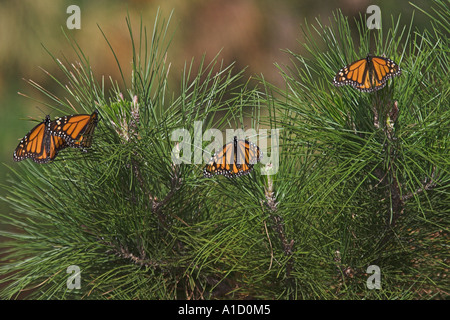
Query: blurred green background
x=250 y=32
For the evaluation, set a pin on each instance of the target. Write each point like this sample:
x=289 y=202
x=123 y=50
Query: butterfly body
x=235 y=159
x=368 y=74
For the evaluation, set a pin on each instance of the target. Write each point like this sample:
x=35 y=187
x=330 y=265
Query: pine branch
x=426 y=186
x=141 y=260
x=278 y=224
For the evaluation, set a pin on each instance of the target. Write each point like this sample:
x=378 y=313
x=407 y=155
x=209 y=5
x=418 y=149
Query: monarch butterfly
x=368 y=74
x=39 y=144
x=235 y=159
x=77 y=130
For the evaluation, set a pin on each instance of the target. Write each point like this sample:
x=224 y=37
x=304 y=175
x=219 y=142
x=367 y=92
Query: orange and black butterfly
x=368 y=74
x=235 y=159
x=39 y=144
x=77 y=130
x=45 y=140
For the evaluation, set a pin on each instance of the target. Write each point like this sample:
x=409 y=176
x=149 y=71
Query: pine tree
x=362 y=180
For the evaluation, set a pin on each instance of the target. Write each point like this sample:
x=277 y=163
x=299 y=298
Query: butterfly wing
x=219 y=163
x=39 y=145
x=370 y=83
x=247 y=155
x=76 y=130
x=55 y=145
x=384 y=69
x=354 y=74
x=33 y=144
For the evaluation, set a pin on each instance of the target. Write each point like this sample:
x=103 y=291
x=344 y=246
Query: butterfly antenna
x=43 y=112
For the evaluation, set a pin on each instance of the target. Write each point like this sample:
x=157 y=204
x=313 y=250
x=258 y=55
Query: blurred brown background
x=250 y=32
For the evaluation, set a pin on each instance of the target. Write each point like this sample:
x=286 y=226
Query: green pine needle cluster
x=362 y=180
